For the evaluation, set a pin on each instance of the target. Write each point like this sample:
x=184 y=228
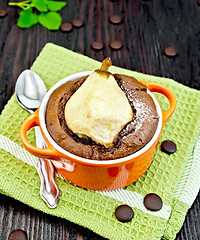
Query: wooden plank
x=148 y=27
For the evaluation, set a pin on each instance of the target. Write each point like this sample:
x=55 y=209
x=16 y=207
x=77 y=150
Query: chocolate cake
x=134 y=135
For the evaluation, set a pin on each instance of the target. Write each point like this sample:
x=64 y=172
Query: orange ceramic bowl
x=93 y=174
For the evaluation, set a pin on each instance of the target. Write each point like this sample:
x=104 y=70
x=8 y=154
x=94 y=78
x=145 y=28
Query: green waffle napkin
x=173 y=177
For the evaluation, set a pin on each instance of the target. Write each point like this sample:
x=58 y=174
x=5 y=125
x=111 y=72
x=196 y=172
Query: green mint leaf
x=55 y=5
x=27 y=18
x=41 y=5
x=50 y=20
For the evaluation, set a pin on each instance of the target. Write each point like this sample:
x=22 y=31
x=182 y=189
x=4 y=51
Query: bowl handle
x=30 y=122
x=156 y=87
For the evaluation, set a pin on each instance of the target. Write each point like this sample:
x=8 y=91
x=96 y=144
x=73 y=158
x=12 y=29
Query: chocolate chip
x=124 y=213
x=77 y=23
x=115 y=45
x=115 y=19
x=168 y=147
x=3 y=12
x=170 y=51
x=17 y=235
x=153 y=202
x=66 y=27
x=97 y=45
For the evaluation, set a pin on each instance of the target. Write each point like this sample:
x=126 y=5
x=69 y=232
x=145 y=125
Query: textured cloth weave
x=173 y=177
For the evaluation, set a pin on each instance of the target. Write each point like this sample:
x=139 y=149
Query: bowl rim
x=42 y=122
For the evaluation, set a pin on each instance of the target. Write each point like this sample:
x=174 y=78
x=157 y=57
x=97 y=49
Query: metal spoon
x=30 y=90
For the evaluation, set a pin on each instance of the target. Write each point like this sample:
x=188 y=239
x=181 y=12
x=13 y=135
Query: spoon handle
x=49 y=190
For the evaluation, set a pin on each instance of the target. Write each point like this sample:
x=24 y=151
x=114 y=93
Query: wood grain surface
x=147 y=28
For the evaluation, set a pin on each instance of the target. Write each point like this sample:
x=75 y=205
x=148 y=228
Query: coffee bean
x=168 y=147
x=153 y=202
x=3 y=12
x=97 y=45
x=124 y=213
x=170 y=51
x=77 y=23
x=115 y=45
x=17 y=235
x=115 y=19
x=66 y=27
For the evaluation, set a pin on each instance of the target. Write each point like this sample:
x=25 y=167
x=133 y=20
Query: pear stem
x=106 y=64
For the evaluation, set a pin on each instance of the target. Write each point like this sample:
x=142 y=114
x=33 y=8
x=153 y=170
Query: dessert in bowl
x=101 y=129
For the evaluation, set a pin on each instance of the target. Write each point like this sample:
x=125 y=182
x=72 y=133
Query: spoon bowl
x=30 y=90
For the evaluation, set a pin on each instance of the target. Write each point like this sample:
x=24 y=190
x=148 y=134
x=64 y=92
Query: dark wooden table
x=147 y=28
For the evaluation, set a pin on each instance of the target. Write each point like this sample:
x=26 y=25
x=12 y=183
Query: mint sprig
x=50 y=20
x=27 y=18
x=40 y=5
x=55 y=5
x=47 y=17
